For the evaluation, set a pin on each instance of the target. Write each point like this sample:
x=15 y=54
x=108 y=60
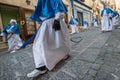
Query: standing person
x=95 y=22
x=52 y=40
x=85 y=24
x=13 y=32
x=106 y=20
x=73 y=23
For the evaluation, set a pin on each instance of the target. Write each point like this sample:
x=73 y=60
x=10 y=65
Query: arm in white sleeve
x=59 y=15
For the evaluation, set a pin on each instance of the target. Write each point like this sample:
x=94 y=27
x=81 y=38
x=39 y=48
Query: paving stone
x=101 y=75
x=92 y=72
x=109 y=77
x=108 y=69
x=88 y=77
x=77 y=68
x=96 y=66
x=89 y=55
x=63 y=76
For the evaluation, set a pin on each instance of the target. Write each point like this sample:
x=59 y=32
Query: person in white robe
x=95 y=22
x=52 y=42
x=106 y=20
x=13 y=36
x=73 y=23
x=85 y=24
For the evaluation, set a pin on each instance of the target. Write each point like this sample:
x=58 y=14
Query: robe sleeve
x=4 y=30
x=36 y=14
x=15 y=29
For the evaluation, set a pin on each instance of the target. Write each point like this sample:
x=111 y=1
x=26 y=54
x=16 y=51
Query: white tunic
x=74 y=28
x=95 y=24
x=106 y=22
x=50 y=46
x=14 y=42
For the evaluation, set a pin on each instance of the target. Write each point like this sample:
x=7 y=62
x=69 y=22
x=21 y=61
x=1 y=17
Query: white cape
x=50 y=46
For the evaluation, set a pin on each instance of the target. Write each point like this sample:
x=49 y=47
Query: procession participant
x=13 y=36
x=95 y=22
x=73 y=23
x=106 y=20
x=85 y=24
x=51 y=43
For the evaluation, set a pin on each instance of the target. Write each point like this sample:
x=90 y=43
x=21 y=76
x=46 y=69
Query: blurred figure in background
x=13 y=36
x=106 y=20
x=85 y=24
x=74 y=25
x=95 y=21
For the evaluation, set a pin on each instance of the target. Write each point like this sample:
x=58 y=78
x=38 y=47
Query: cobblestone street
x=94 y=56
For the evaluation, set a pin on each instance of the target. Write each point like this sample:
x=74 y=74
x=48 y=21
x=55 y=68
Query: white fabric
x=95 y=24
x=85 y=26
x=114 y=20
x=50 y=47
x=106 y=22
x=14 y=42
x=74 y=28
x=59 y=15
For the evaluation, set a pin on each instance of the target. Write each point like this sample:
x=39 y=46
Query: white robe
x=14 y=42
x=85 y=26
x=50 y=46
x=74 y=28
x=95 y=24
x=106 y=22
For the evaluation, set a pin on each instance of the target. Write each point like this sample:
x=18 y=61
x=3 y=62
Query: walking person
x=85 y=24
x=73 y=23
x=52 y=40
x=13 y=36
x=106 y=20
x=95 y=22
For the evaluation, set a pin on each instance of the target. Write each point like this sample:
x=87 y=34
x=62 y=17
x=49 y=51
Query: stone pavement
x=94 y=56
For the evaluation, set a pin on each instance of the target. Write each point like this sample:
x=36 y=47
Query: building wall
x=86 y=13
x=89 y=2
x=20 y=3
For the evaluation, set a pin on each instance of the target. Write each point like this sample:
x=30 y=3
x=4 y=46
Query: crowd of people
x=52 y=42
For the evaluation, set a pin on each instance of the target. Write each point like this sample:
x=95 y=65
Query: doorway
x=80 y=18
